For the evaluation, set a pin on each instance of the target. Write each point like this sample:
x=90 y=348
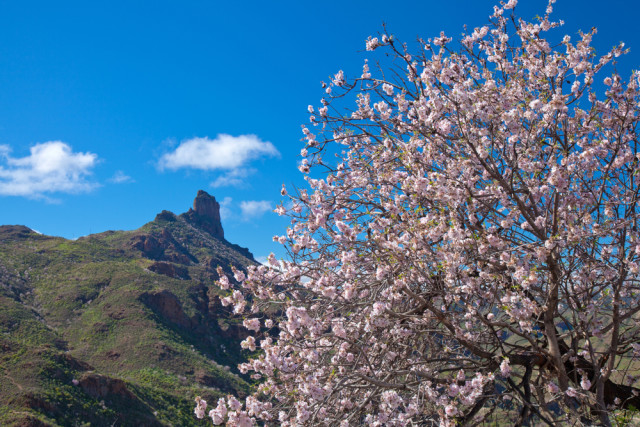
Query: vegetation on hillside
x=117 y=328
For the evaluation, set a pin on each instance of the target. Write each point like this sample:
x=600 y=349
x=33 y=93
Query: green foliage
x=627 y=417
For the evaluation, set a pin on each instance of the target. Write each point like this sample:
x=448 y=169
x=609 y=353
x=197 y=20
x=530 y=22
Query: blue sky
x=113 y=111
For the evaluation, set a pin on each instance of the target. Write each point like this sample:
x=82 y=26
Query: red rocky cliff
x=206 y=214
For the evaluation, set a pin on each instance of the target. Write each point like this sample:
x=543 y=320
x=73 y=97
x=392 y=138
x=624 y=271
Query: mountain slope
x=117 y=328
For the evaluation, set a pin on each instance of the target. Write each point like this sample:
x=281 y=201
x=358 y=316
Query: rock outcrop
x=100 y=386
x=170 y=270
x=162 y=247
x=205 y=214
x=168 y=306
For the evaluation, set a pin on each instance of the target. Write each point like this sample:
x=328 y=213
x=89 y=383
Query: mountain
x=121 y=328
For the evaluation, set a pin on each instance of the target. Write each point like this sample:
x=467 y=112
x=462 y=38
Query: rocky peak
x=205 y=214
x=205 y=205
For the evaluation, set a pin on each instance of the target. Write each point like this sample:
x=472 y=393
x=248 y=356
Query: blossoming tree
x=468 y=245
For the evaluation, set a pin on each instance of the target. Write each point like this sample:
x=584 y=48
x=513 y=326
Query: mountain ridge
x=119 y=327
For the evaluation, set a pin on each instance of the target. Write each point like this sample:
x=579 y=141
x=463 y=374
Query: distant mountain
x=121 y=328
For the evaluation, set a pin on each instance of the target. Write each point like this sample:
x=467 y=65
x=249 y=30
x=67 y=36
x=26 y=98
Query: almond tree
x=467 y=248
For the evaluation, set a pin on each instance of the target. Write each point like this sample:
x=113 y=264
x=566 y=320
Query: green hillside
x=118 y=328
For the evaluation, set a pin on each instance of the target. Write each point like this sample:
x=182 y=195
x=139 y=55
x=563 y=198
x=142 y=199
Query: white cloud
x=225 y=152
x=51 y=167
x=120 y=178
x=252 y=209
x=225 y=208
x=233 y=178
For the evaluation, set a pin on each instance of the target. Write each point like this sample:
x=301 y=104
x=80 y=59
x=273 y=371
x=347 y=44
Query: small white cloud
x=252 y=209
x=233 y=178
x=120 y=178
x=225 y=152
x=225 y=208
x=51 y=167
x=263 y=260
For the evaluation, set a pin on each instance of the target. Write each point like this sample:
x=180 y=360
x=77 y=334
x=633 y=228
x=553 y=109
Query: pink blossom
x=552 y=388
x=451 y=410
x=571 y=392
x=201 y=406
x=223 y=282
x=234 y=404
x=372 y=43
x=338 y=79
x=505 y=369
x=219 y=413
x=252 y=324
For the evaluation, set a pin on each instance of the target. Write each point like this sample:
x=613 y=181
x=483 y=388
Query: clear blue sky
x=97 y=97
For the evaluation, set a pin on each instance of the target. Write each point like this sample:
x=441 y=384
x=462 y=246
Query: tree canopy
x=468 y=246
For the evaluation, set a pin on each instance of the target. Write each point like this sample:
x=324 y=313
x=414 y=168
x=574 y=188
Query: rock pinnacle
x=205 y=214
